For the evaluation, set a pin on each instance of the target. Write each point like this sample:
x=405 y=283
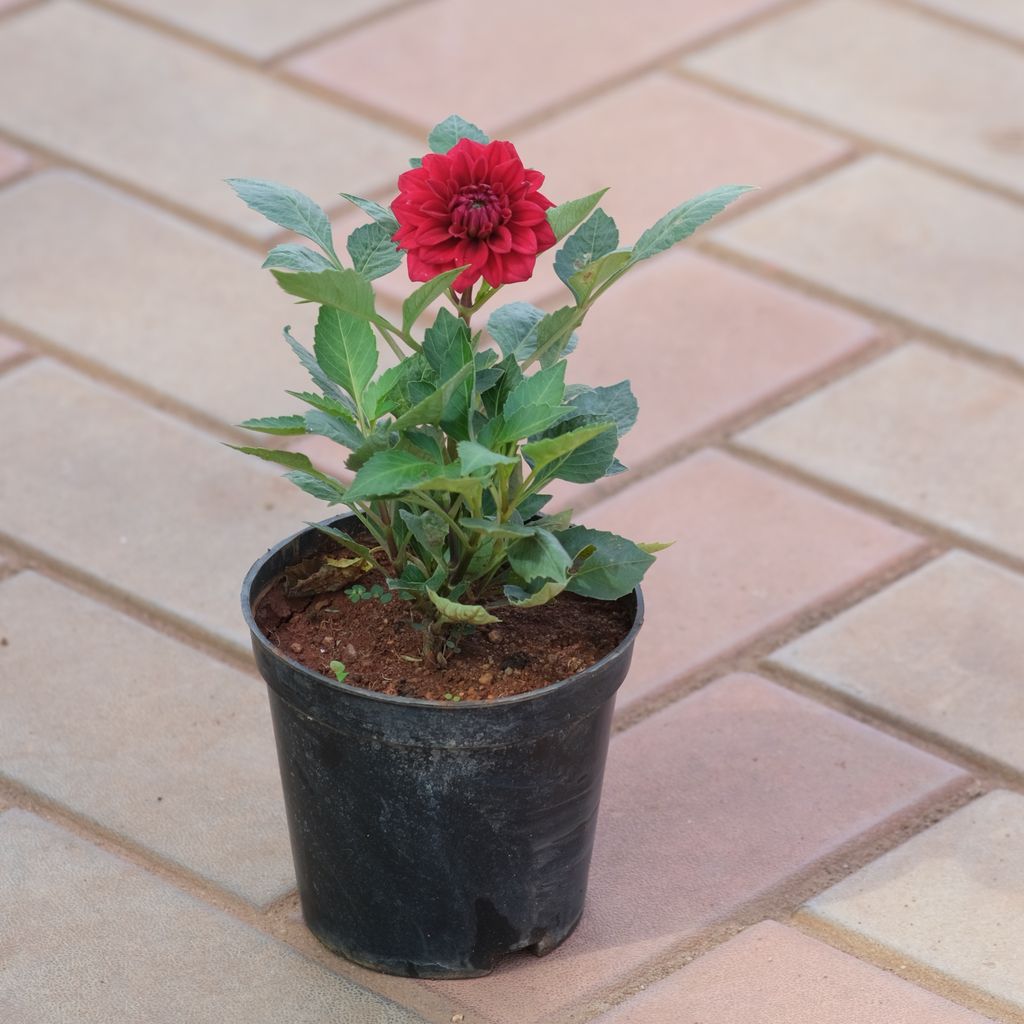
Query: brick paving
x=814 y=807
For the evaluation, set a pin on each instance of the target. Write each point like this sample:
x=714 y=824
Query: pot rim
x=442 y=707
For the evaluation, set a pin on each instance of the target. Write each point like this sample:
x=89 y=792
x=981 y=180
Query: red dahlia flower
x=477 y=205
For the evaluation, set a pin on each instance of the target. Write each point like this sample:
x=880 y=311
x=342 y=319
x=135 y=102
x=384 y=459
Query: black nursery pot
x=430 y=839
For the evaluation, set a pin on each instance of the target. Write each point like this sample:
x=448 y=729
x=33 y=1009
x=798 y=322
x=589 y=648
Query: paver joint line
x=858 y=372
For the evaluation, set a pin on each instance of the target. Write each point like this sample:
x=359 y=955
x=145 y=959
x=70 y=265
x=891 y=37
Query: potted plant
x=442 y=659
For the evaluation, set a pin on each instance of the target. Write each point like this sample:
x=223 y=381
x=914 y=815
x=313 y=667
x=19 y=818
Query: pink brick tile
x=771 y=974
x=658 y=141
x=709 y=804
x=751 y=552
x=431 y=60
x=701 y=342
x=12 y=161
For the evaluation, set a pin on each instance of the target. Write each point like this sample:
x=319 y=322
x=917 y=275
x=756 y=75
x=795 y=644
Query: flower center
x=476 y=211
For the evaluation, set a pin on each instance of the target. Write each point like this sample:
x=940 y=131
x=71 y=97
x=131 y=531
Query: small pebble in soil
x=486 y=679
x=328 y=640
x=494 y=636
x=296 y=648
x=350 y=651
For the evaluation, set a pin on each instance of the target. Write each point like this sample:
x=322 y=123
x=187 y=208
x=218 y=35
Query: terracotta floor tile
x=708 y=804
x=12 y=161
x=929 y=433
x=771 y=974
x=751 y=552
x=453 y=57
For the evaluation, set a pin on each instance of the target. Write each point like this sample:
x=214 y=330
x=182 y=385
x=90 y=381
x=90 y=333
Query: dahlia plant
x=453 y=445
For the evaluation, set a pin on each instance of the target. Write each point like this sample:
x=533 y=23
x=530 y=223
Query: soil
x=528 y=649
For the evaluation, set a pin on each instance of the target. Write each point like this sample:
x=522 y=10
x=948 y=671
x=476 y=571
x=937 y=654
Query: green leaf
x=339 y=670
x=346 y=350
x=655 y=545
x=474 y=456
x=291 y=256
x=331 y=491
x=446 y=345
x=566 y=216
x=593 y=275
x=384 y=394
x=524 y=599
x=287 y=208
x=495 y=397
x=431 y=408
x=381 y=214
x=338 y=430
x=533 y=405
x=381 y=438
x=425 y=295
x=554 y=449
x=514 y=328
x=344 y=539
x=453 y=480
x=372 y=252
x=316 y=374
x=493 y=528
x=681 y=222
x=552 y=327
x=616 y=403
x=468 y=614
x=390 y=473
x=612 y=570
x=346 y=290
x=281 y=425
x=429 y=528
x=453 y=128
x=293 y=460
x=328 y=405
x=596 y=238
x=539 y=556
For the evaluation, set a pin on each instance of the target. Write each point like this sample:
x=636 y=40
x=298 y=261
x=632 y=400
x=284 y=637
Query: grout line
x=959 y=24
x=748 y=655
x=906 y=967
x=228 y=652
x=786 y=897
x=876 y=507
x=420 y=998
x=850 y=135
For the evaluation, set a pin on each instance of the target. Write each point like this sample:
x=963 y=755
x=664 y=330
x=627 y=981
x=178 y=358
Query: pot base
x=437 y=972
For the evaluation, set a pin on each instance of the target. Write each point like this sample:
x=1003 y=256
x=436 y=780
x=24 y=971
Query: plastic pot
x=429 y=838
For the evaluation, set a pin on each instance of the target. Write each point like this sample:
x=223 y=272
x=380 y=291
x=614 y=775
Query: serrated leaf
x=514 y=328
x=338 y=430
x=431 y=408
x=328 y=405
x=567 y=216
x=416 y=303
x=596 y=238
x=532 y=405
x=681 y=222
x=592 y=276
x=474 y=456
x=453 y=128
x=613 y=568
x=286 y=207
x=524 y=599
x=552 y=328
x=293 y=460
x=291 y=256
x=381 y=438
x=547 y=450
x=316 y=374
x=616 y=403
x=453 y=480
x=429 y=528
x=513 y=531
x=372 y=252
x=327 y=490
x=344 y=539
x=452 y=611
x=390 y=473
x=280 y=425
x=346 y=350
x=346 y=290
x=381 y=214
x=539 y=556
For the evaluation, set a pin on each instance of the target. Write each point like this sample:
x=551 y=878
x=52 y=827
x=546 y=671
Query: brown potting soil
x=382 y=651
